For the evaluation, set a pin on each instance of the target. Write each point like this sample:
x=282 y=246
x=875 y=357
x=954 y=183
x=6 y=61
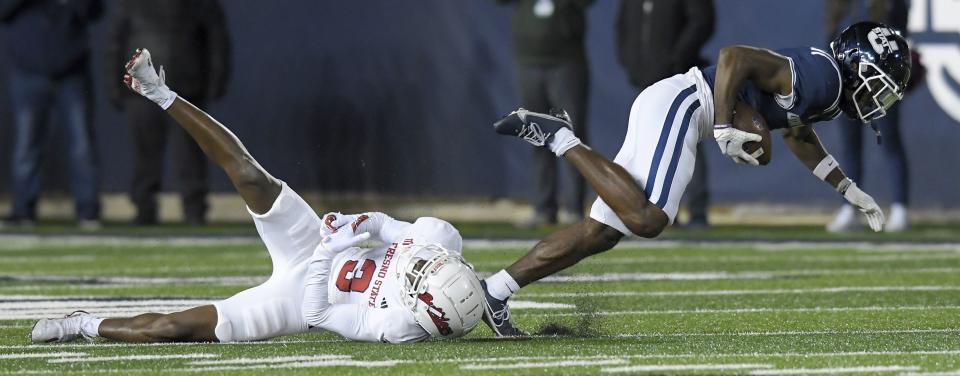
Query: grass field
x=677 y=307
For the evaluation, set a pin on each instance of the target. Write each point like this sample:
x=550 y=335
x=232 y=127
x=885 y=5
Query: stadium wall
x=379 y=96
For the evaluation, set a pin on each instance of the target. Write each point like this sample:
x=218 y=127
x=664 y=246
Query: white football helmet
x=441 y=289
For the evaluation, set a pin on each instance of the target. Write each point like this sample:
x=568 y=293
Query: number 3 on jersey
x=354 y=277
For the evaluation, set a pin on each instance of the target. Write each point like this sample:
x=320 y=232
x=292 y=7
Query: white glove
x=731 y=142
x=866 y=204
x=333 y=221
x=144 y=80
x=339 y=241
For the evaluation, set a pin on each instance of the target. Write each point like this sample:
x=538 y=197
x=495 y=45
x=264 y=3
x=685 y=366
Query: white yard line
x=750 y=310
x=304 y=364
x=32 y=307
x=123 y=358
x=725 y=275
x=833 y=371
x=763 y=258
x=274 y=359
x=823 y=290
x=163 y=344
x=19 y=242
x=562 y=363
x=686 y=367
x=547 y=358
x=41 y=355
x=795 y=333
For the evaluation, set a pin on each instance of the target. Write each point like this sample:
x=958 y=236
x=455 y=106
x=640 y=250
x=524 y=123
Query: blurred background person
x=894 y=14
x=50 y=75
x=190 y=39
x=551 y=69
x=657 y=39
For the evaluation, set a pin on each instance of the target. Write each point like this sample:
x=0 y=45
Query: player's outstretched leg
x=556 y=252
x=568 y=246
x=193 y=325
x=611 y=181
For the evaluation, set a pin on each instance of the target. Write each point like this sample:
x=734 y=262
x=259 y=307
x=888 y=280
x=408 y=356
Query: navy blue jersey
x=815 y=96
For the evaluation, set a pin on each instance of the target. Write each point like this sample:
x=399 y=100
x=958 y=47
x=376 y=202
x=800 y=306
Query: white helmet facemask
x=876 y=94
x=440 y=288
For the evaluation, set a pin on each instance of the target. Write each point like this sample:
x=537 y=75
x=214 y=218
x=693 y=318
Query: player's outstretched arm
x=258 y=189
x=805 y=144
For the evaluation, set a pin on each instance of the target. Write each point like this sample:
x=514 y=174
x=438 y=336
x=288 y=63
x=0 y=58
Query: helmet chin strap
x=876 y=131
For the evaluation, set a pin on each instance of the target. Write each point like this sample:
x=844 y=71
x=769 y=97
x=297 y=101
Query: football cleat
x=533 y=127
x=496 y=315
x=60 y=330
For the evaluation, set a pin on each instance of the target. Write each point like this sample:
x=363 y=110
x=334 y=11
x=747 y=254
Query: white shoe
x=846 y=220
x=65 y=329
x=143 y=79
x=899 y=220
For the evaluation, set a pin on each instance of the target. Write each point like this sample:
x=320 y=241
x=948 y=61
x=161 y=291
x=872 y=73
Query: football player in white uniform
x=413 y=287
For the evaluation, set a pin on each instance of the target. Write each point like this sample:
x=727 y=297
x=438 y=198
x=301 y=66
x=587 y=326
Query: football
x=747 y=119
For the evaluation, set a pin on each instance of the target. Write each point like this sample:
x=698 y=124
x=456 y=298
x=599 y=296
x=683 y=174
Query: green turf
x=759 y=308
x=921 y=232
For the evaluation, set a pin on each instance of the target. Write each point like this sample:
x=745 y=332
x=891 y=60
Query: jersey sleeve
x=381 y=226
x=816 y=82
x=430 y=230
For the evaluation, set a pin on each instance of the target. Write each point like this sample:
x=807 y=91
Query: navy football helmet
x=875 y=66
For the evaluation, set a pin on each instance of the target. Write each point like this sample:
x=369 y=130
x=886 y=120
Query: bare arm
x=258 y=189
x=737 y=65
x=805 y=144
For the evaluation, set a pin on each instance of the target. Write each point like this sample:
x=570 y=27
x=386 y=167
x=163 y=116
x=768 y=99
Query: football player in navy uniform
x=863 y=75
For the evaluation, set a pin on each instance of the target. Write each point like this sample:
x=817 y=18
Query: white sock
x=90 y=326
x=501 y=285
x=563 y=141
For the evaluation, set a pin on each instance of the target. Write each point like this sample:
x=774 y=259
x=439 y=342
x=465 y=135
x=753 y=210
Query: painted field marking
x=562 y=363
x=833 y=371
x=823 y=290
x=725 y=275
x=31 y=307
x=686 y=367
x=19 y=242
x=159 y=344
x=41 y=355
x=305 y=364
x=762 y=258
x=947 y=373
x=794 y=333
x=131 y=357
x=526 y=304
x=581 y=277
x=750 y=310
x=274 y=359
x=547 y=358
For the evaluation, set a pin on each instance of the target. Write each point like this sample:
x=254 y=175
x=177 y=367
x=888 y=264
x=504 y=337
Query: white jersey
x=366 y=276
x=362 y=299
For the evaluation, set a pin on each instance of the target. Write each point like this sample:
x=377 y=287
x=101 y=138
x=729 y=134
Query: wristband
x=844 y=185
x=826 y=165
x=722 y=126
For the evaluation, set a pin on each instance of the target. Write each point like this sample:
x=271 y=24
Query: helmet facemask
x=437 y=285
x=876 y=93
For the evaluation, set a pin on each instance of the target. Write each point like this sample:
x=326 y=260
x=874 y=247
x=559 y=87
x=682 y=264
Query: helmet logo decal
x=881 y=44
x=436 y=314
